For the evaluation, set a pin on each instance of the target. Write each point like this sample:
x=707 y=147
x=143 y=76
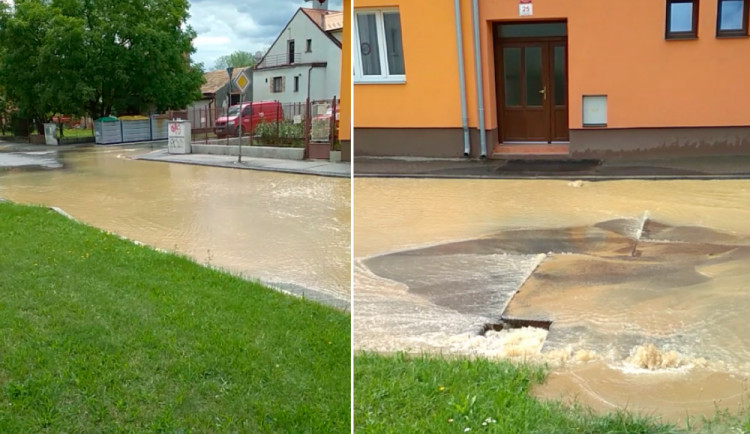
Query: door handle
x=544 y=92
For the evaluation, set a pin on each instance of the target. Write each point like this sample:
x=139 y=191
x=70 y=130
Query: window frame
x=385 y=77
x=290 y=47
x=280 y=89
x=743 y=32
x=691 y=34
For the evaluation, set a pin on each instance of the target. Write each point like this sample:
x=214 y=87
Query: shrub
x=285 y=133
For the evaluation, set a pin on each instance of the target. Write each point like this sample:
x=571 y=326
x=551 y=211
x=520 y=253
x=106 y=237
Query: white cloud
x=208 y=41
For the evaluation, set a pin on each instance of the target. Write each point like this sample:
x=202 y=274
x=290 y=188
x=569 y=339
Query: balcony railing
x=281 y=60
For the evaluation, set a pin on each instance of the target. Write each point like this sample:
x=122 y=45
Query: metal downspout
x=462 y=77
x=480 y=87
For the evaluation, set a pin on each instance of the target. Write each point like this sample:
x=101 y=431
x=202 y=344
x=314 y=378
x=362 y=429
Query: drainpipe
x=308 y=117
x=480 y=87
x=309 y=71
x=462 y=77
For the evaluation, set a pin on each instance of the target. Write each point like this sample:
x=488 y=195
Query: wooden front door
x=532 y=89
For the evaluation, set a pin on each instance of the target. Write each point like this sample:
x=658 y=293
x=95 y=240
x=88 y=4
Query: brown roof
x=215 y=80
x=318 y=16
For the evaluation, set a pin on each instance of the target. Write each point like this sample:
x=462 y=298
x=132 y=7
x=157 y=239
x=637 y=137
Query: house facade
x=304 y=60
x=575 y=78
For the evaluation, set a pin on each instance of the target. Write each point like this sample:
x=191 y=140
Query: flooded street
x=292 y=231
x=634 y=292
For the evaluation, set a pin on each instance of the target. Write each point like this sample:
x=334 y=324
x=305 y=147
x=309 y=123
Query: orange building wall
x=345 y=110
x=615 y=48
x=430 y=97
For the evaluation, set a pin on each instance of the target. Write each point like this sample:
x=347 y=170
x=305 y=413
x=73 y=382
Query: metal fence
x=265 y=123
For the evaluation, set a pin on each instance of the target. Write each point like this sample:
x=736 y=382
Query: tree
x=4 y=114
x=99 y=57
x=22 y=34
x=237 y=59
x=139 y=56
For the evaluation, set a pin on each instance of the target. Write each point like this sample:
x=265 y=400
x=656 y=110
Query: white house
x=304 y=61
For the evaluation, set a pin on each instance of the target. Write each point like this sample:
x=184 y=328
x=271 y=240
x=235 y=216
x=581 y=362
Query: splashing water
x=650 y=357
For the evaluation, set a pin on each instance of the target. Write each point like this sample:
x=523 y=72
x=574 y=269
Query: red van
x=252 y=114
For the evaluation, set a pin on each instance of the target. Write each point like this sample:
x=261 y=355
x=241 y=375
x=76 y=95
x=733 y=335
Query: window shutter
x=283 y=83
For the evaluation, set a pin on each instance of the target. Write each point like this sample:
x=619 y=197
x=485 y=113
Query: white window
x=379 y=54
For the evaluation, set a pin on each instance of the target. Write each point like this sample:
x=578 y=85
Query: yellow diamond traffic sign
x=242 y=81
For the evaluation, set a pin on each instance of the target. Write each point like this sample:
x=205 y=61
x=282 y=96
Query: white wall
x=324 y=82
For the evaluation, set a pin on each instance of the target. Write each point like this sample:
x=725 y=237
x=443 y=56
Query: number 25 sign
x=525 y=9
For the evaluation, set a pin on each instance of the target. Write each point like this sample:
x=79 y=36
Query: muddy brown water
x=292 y=231
x=646 y=284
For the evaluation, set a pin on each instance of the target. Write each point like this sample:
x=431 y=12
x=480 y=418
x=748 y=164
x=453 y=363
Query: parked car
x=252 y=115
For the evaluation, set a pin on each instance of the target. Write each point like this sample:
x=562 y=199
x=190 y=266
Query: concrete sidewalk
x=712 y=167
x=304 y=167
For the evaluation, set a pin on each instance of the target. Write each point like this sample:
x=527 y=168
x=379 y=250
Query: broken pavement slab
x=605 y=288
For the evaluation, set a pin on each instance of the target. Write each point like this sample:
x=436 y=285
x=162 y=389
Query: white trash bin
x=50 y=132
x=179 y=137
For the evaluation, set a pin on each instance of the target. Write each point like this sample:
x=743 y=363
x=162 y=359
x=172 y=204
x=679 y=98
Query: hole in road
x=506 y=323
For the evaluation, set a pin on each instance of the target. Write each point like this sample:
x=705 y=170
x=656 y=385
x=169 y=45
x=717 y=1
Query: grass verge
x=401 y=393
x=98 y=334
x=70 y=133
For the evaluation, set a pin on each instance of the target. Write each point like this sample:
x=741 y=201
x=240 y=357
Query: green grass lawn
x=398 y=393
x=69 y=133
x=98 y=334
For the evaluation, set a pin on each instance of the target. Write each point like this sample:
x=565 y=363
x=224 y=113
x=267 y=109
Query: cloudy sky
x=224 y=26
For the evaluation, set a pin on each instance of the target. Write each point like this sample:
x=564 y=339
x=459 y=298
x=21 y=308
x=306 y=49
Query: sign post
x=242 y=82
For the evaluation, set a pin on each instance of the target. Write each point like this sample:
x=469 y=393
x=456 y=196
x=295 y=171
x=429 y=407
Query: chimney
x=319 y=4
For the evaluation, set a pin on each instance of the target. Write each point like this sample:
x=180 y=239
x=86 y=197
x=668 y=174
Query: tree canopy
x=238 y=59
x=98 y=57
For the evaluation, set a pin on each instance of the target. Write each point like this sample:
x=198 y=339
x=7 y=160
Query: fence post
x=278 y=124
x=307 y=128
